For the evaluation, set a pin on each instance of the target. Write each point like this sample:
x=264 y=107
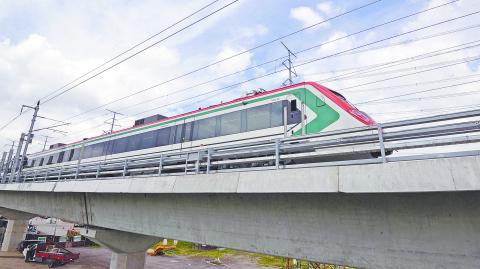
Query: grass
x=189 y=249
x=269 y=261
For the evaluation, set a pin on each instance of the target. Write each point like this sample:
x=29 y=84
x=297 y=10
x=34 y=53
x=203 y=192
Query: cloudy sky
x=47 y=44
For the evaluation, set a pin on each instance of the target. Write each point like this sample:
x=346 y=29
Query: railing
x=366 y=145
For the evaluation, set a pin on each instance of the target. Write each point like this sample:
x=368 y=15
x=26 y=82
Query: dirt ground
x=99 y=258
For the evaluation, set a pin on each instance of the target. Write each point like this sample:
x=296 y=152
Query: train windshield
x=342 y=97
x=339 y=95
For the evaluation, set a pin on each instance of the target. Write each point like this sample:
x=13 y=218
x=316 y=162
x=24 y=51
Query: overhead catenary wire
x=449 y=108
x=416 y=92
x=123 y=60
x=413 y=14
x=140 y=51
x=230 y=57
x=316 y=59
x=133 y=47
x=332 y=55
x=364 y=72
x=429 y=97
x=332 y=78
x=414 y=84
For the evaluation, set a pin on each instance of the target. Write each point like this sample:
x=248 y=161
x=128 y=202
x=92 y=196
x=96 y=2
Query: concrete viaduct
x=406 y=214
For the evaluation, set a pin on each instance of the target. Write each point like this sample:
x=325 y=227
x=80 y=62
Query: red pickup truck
x=53 y=256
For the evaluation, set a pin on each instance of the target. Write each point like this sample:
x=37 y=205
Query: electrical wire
x=316 y=59
x=133 y=47
x=304 y=50
x=416 y=92
x=140 y=51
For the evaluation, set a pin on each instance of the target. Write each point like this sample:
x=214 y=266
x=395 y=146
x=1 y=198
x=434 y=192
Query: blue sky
x=45 y=44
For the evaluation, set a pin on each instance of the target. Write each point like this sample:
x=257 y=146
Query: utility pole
x=8 y=163
x=45 y=144
x=29 y=136
x=16 y=158
x=2 y=163
x=113 y=119
x=289 y=65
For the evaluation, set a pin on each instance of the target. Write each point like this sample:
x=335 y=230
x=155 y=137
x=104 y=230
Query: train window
x=60 y=157
x=231 y=123
x=276 y=114
x=173 y=131
x=149 y=140
x=76 y=154
x=32 y=163
x=87 y=152
x=293 y=105
x=99 y=149
x=188 y=132
x=70 y=156
x=163 y=136
x=120 y=145
x=206 y=128
x=179 y=134
x=134 y=142
x=50 y=159
x=41 y=161
x=258 y=117
x=108 y=148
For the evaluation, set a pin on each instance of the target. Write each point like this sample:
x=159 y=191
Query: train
x=300 y=109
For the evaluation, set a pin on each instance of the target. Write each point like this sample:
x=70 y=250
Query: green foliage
x=190 y=249
x=269 y=261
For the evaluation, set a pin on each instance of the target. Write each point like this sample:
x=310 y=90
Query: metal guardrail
x=354 y=146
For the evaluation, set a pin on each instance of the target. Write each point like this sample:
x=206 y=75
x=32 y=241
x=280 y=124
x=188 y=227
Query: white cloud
x=235 y=64
x=307 y=16
x=327 y=8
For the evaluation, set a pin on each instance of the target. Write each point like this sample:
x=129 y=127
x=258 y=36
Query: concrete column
x=15 y=232
x=128 y=249
x=127 y=260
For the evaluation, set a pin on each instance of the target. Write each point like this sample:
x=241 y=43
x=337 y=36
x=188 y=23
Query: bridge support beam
x=14 y=233
x=128 y=249
x=16 y=228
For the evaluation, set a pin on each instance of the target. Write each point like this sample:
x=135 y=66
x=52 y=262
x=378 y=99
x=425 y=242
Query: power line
x=466 y=60
x=229 y=57
x=394 y=36
x=140 y=51
x=304 y=50
x=415 y=84
x=425 y=110
x=317 y=59
x=371 y=68
x=331 y=78
x=364 y=30
x=431 y=97
x=133 y=47
x=274 y=72
x=417 y=92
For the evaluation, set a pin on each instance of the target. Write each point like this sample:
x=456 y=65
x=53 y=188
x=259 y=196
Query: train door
x=187 y=134
x=181 y=135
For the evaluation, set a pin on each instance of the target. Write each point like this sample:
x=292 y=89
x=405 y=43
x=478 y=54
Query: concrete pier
x=128 y=249
x=15 y=232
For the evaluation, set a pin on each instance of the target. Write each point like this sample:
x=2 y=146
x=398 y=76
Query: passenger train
x=262 y=116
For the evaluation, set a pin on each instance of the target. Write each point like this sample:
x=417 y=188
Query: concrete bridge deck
x=408 y=214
